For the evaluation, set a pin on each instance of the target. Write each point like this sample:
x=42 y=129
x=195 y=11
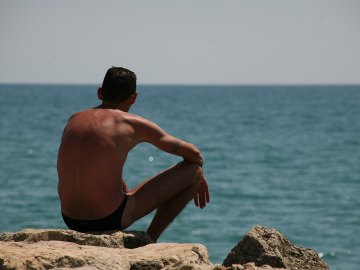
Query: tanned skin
x=92 y=154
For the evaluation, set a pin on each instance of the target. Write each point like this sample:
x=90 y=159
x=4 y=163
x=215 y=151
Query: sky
x=181 y=42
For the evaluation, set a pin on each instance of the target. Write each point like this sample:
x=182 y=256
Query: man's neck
x=113 y=105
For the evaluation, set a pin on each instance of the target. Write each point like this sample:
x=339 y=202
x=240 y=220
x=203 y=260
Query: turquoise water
x=284 y=157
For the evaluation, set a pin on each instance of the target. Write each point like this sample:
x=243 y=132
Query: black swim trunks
x=111 y=222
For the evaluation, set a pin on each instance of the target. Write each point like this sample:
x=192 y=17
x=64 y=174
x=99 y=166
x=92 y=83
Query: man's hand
x=202 y=195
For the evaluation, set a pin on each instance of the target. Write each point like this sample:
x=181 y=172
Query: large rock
x=266 y=246
x=58 y=254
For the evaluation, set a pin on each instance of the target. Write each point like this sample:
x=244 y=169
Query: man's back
x=93 y=150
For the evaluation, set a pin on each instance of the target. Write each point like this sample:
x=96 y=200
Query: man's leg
x=168 y=192
x=166 y=213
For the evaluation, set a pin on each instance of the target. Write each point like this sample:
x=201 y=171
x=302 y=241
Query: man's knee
x=194 y=170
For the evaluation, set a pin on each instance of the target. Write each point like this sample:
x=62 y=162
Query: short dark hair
x=119 y=84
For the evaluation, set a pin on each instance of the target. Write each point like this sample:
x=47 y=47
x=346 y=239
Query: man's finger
x=202 y=200
x=196 y=200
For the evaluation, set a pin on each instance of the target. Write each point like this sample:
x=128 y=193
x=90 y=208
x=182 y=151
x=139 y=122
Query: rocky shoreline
x=260 y=248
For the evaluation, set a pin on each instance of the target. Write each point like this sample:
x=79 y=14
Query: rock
x=115 y=239
x=265 y=246
x=58 y=254
x=260 y=249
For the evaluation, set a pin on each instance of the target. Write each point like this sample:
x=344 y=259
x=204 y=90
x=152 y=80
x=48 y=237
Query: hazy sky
x=184 y=41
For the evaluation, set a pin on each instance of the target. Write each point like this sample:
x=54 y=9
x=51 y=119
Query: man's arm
x=150 y=132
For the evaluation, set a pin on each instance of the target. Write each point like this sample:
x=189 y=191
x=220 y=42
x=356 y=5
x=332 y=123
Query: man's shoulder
x=134 y=119
x=77 y=114
x=83 y=112
x=140 y=123
x=121 y=117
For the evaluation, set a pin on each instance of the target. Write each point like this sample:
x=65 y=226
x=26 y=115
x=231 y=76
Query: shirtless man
x=92 y=154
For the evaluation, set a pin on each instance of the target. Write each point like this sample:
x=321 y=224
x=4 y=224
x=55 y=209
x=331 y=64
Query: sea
x=286 y=157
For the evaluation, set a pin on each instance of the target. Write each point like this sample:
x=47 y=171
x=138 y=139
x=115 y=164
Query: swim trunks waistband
x=111 y=222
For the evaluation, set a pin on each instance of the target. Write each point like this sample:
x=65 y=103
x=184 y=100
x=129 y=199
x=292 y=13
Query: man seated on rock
x=92 y=154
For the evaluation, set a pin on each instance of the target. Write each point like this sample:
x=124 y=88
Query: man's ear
x=132 y=99
x=100 y=93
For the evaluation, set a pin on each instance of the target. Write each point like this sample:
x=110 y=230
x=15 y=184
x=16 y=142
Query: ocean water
x=286 y=157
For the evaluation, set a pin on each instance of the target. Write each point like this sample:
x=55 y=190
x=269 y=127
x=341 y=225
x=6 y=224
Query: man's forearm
x=187 y=151
x=190 y=153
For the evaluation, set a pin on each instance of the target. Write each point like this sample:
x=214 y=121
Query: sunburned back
x=92 y=154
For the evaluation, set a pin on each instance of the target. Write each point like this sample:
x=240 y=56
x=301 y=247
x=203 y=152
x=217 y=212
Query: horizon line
x=184 y=84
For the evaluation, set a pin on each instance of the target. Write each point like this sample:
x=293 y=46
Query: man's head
x=119 y=84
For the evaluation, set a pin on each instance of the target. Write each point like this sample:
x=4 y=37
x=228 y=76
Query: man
x=92 y=154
